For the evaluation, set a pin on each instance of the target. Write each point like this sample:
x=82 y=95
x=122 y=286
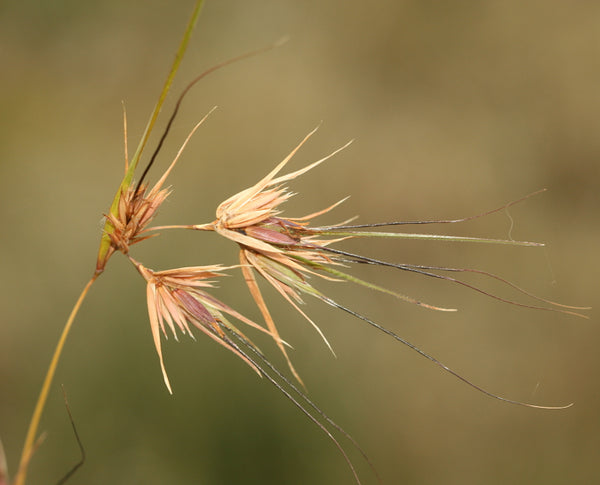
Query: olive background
x=455 y=108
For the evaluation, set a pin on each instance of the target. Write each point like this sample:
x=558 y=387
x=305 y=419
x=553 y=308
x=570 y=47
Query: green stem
x=41 y=402
x=433 y=237
x=103 y=253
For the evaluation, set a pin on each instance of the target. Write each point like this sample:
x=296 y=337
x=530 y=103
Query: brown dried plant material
x=136 y=210
x=136 y=207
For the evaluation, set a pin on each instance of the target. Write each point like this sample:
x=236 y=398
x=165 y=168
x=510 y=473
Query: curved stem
x=41 y=402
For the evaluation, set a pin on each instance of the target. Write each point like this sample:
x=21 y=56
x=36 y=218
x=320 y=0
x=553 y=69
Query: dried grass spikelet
x=135 y=207
x=271 y=245
x=175 y=300
x=136 y=210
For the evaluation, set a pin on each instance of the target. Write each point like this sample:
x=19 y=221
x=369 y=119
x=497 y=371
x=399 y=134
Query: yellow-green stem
x=41 y=402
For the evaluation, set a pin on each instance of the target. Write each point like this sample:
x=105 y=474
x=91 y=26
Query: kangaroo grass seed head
x=136 y=210
x=134 y=207
x=251 y=219
x=285 y=251
x=176 y=301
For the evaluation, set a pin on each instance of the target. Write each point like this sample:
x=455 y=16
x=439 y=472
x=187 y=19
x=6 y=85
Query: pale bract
x=176 y=301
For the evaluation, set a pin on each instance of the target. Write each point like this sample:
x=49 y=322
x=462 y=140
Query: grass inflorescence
x=291 y=254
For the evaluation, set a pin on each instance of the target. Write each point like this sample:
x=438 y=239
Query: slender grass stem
x=432 y=237
x=41 y=402
x=176 y=226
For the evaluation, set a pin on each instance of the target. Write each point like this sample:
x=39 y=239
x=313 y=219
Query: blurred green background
x=455 y=108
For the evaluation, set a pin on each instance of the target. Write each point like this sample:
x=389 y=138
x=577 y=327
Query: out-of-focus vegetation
x=455 y=108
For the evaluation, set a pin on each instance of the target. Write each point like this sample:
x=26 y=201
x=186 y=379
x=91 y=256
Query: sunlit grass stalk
x=3 y=466
x=30 y=438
